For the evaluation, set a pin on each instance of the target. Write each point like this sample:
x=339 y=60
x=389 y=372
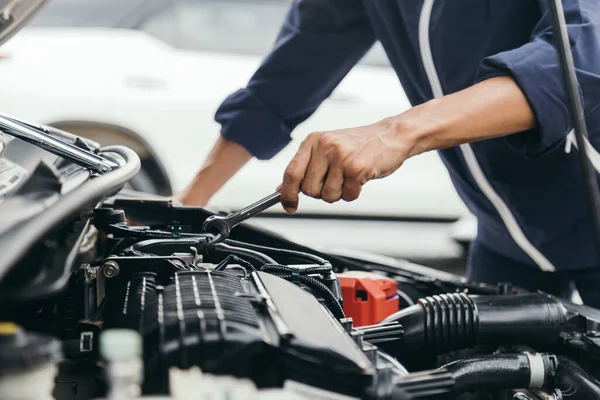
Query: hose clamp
x=295 y=275
x=537 y=370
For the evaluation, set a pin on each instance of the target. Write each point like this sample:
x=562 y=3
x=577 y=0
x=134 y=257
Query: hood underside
x=14 y=14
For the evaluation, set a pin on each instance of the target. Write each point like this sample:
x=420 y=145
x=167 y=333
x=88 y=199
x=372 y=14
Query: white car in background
x=151 y=73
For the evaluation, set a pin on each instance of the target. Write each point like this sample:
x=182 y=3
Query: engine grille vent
x=197 y=318
x=208 y=295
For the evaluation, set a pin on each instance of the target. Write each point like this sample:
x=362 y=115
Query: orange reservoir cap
x=368 y=297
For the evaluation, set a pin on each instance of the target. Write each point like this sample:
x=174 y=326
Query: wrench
x=225 y=223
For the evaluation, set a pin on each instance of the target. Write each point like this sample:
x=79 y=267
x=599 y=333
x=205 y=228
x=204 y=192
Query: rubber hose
x=332 y=304
x=254 y=256
x=507 y=371
x=292 y=253
x=447 y=322
x=574 y=382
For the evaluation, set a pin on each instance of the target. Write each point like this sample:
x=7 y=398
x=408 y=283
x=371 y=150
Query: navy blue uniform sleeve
x=535 y=68
x=319 y=42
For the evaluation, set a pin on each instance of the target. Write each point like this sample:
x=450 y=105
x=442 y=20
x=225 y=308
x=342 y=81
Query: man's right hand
x=334 y=165
x=224 y=160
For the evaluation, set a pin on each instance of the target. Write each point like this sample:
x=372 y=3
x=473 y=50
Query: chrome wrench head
x=217 y=223
x=225 y=223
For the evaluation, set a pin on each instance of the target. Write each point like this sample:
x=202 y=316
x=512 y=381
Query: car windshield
x=230 y=26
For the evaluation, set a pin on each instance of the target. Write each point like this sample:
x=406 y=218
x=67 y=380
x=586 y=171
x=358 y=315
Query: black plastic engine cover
x=260 y=327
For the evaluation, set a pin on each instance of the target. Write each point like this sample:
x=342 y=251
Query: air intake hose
x=499 y=371
x=439 y=324
x=514 y=371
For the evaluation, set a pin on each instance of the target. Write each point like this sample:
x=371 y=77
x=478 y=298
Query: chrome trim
x=38 y=137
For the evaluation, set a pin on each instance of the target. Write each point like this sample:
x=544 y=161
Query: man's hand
x=223 y=161
x=335 y=165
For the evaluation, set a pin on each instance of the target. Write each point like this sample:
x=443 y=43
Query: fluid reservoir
x=368 y=297
x=122 y=351
x=28 y=364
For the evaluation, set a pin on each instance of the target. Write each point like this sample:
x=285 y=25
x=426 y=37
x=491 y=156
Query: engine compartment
x=274 y=314
x=109 y=294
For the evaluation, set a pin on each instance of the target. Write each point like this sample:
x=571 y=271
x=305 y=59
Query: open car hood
x=14 y=14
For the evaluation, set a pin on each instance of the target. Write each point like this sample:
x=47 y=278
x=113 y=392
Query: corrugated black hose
x=447 y=322
x=301 y=275
x=332 y=304
x=271 y=268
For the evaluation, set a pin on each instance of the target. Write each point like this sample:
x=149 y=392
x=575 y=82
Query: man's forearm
x=334 y=165
x=224 y=160
x=493 y=108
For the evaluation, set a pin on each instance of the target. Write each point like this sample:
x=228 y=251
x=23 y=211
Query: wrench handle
x=259 y=206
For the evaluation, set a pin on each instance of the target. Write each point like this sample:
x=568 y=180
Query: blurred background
x=150 y=74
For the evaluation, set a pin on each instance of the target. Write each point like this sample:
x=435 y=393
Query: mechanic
x=487 y=91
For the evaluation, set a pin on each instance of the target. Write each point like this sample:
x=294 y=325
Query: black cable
x=333 y=304
x=292 y=253
x=330 y=301
x=565 y=55
x=321 y=270
x=405 y=297
x=232 y=257
x=248 y=254
x=304 y=271
x=276 y=268
x=287 y=273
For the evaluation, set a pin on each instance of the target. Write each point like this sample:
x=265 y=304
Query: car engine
x=105 y=293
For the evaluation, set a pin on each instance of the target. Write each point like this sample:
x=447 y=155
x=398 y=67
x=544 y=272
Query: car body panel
x=168 y=96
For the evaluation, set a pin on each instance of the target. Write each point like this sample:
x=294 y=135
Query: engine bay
x=108 y=294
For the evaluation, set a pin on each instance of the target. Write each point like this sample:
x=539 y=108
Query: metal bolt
x=195 y=256
x=110 y=269
x=521 y=396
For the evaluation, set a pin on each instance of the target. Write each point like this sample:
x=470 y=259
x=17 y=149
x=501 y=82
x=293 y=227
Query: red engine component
x=368 y=297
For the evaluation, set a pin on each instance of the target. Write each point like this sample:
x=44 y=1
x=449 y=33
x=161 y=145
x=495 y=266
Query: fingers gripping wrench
x=225 y=223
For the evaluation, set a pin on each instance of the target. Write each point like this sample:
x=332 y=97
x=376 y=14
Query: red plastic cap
x=368 y=297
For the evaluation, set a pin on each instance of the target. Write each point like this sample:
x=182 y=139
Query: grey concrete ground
x=426 y=243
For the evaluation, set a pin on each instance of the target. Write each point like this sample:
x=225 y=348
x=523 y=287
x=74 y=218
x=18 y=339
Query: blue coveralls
x=525 y=189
